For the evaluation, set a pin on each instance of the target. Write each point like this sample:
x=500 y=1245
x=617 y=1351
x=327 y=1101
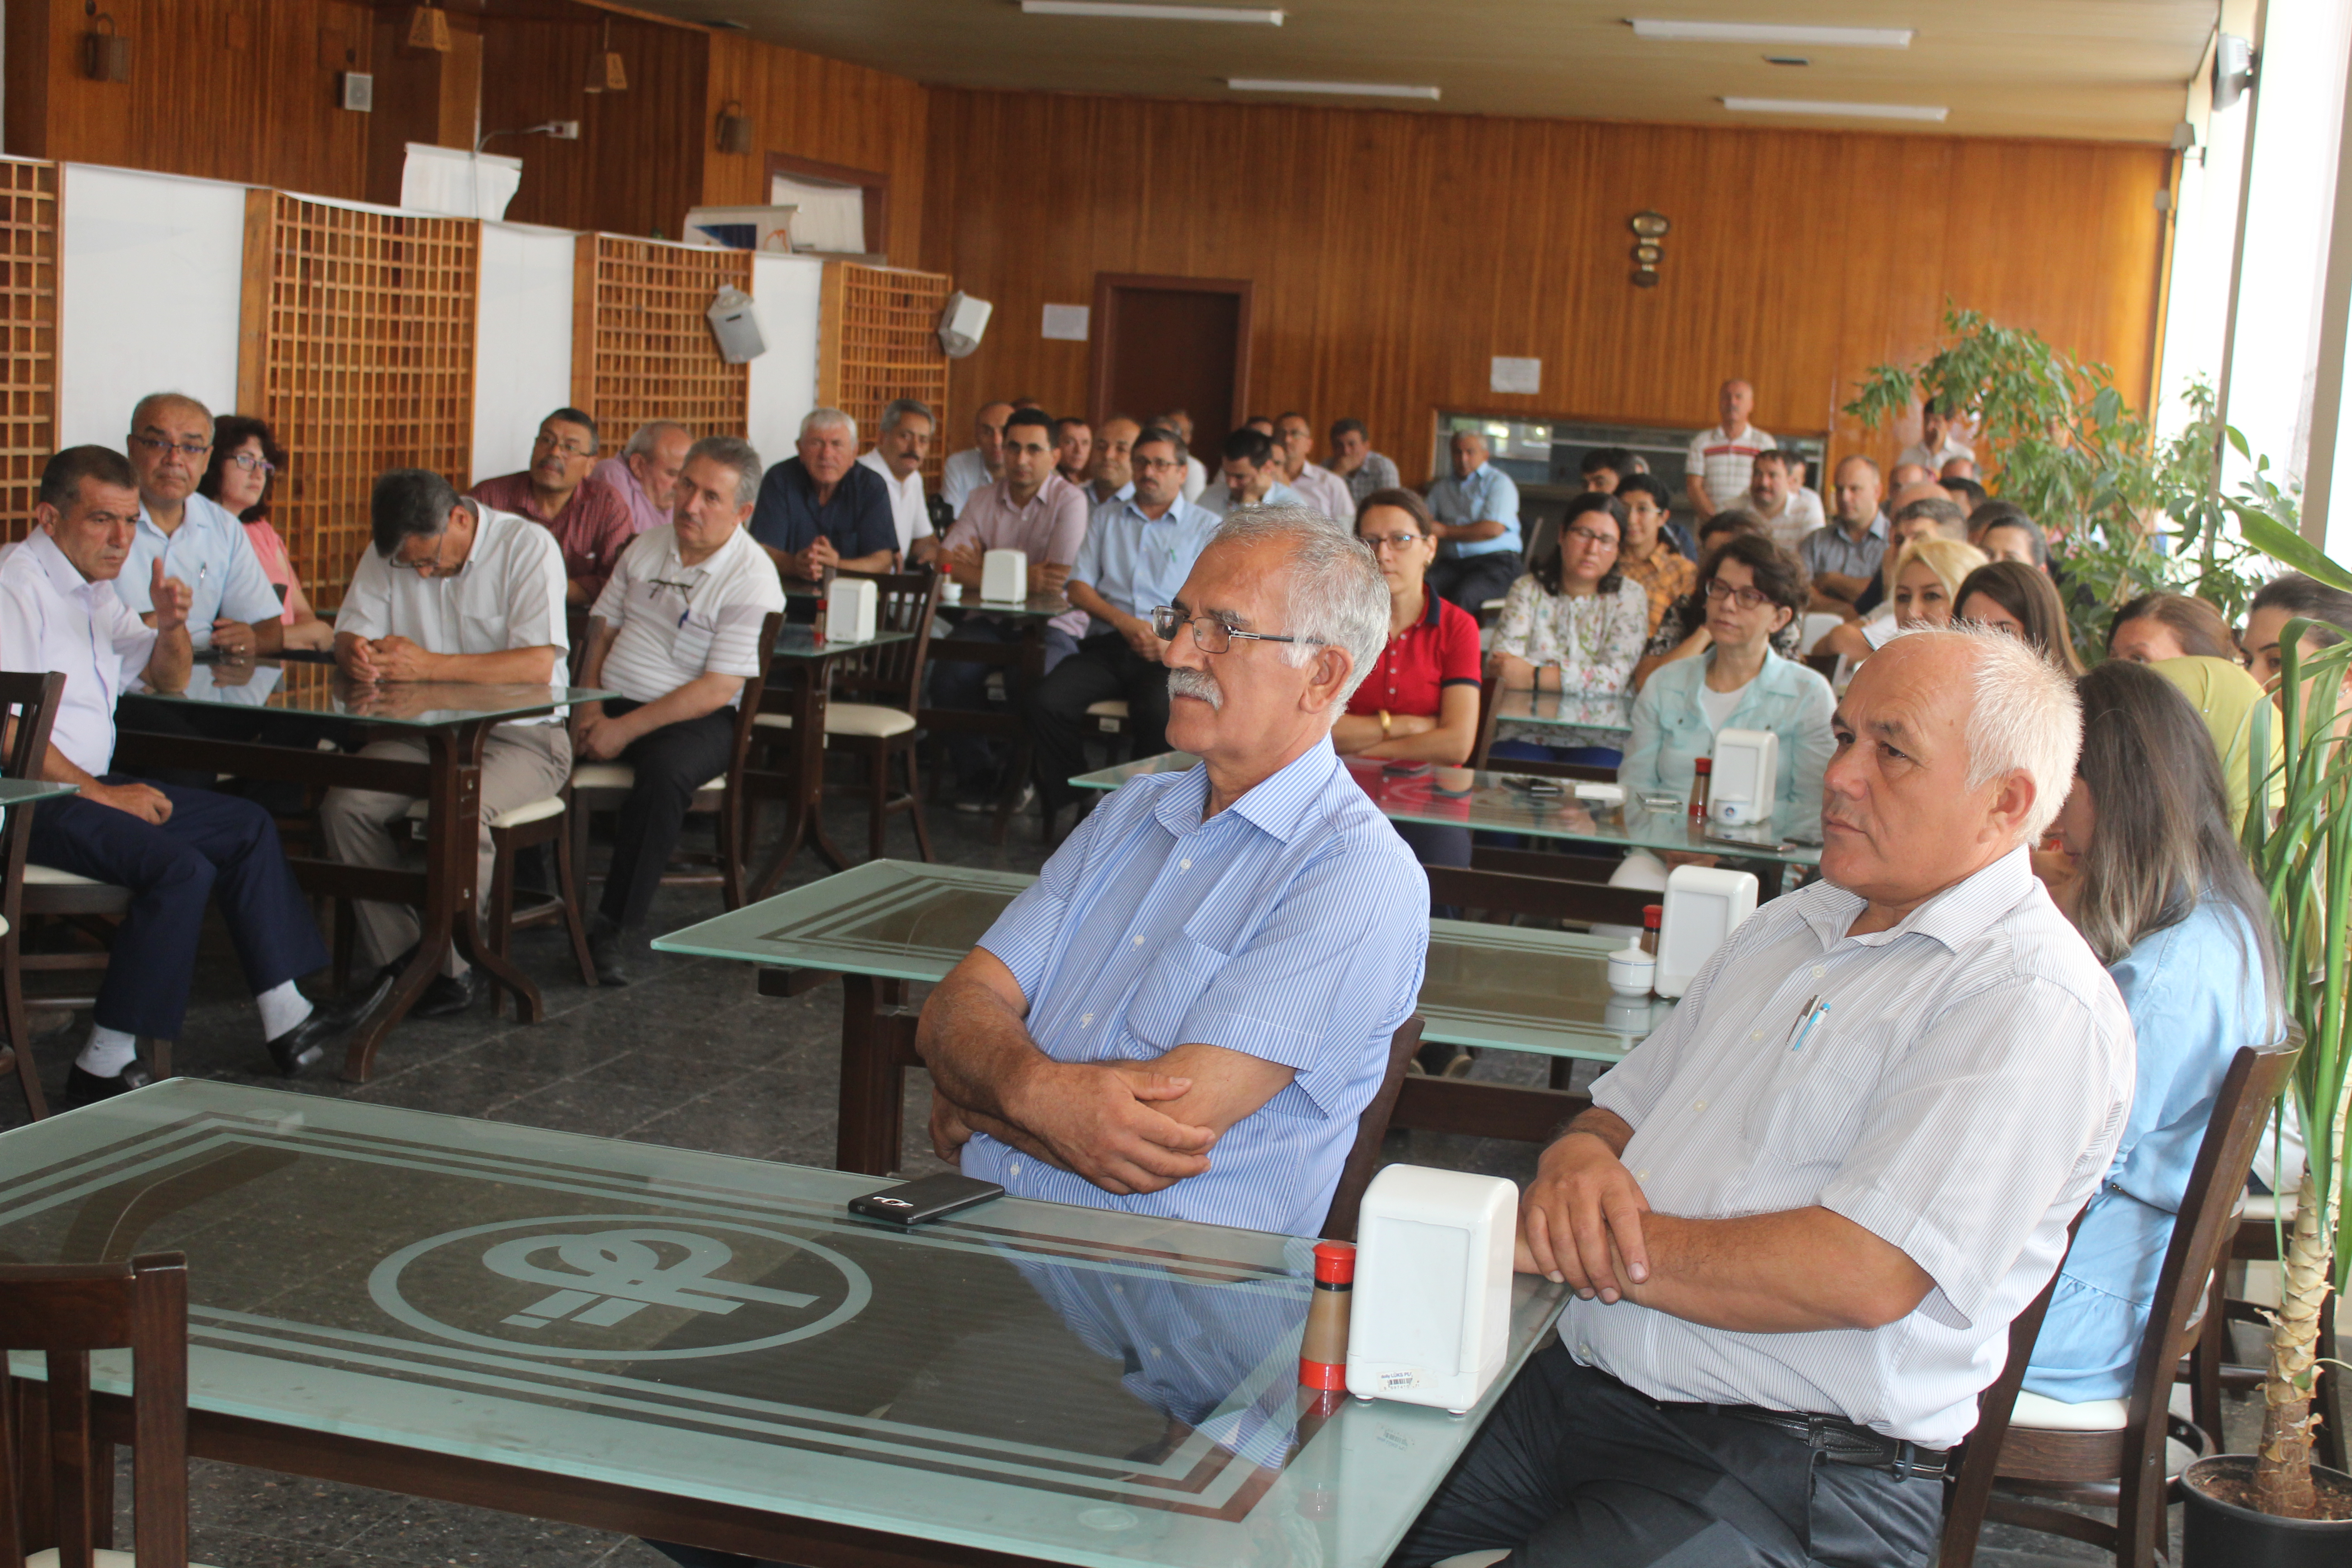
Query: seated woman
x=2020 y=599
x=1420 y=704
x=1682 y=631
x=1752 y=588
x=1574 y=624
x=245 y=461
x=2289 y=597
x=1924 y=585
x=2157 y=627
x=2226 y=697
x=2146 y=866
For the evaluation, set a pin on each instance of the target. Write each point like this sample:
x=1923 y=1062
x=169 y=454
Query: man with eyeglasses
x=451 y=590
x=1327 y=492
x=1187 y=1013
x=590 y=523
x=235 y=609
x=676 y=633
x=1135 y=555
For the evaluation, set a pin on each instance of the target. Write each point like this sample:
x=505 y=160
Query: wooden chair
x=1371 y=1131
x=603 y=786
x=35 y=699
x=2115 y=1454
x=67 y=1311
x=884 y=728
x=511 y=831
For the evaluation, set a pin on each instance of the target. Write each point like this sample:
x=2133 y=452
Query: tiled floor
x=688 y=1055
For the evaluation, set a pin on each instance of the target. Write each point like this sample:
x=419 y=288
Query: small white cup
x=950 y=591
x=1631 y=971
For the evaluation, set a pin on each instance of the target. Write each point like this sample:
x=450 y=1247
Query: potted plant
x=2275 y=1507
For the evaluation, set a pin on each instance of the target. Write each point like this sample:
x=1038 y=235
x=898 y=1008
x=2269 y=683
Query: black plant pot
x=2217 y=1534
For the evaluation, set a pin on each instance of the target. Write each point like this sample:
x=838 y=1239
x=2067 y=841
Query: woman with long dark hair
x=2143 y=860
x=2011 y=597
x=241 y=477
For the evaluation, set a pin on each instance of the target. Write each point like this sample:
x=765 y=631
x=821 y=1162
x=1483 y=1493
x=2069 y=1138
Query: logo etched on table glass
x=620 y=1286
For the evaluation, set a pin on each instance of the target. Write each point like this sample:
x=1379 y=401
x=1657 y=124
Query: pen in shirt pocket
x=1815 y=1010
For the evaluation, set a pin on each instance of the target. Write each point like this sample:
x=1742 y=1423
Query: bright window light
x=1145 y=13
x=1768 y=33
x=1930 y=111
x=1344 y=88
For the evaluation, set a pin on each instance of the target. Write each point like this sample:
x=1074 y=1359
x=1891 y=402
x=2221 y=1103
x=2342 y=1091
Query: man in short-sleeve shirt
x=676 y=633
x=1716 y=468
x=898 y=457
x=1187 y=1012
x=199 y=543
x=1477 y=512
x=450 y=590
x=645 y=476
x=818 y=509
x=1801 y=1214
x=588 y=518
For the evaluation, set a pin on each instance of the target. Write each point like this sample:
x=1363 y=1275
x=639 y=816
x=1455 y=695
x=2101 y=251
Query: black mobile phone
x=924 y=1198
x=1544 y=787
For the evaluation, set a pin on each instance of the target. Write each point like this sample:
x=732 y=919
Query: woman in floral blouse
x=1573 y=625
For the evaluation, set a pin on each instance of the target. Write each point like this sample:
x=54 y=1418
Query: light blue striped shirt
x=210 y=554
x=1671 y=731
x=1291 y=926
x=1138 y=562
x=1488 y=495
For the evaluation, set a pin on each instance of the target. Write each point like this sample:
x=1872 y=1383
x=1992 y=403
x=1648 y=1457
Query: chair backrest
x=893 y=673
x=1486 y=690
x=35 y=700
x=1371 y=1130
x=67 y=1311
x=755 y=686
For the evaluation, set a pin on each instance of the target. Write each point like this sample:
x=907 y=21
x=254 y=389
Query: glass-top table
x=323 y=691
x=1611 y=711
x=888 y=923
x=573 y=1325
x=25 y=792
x=798 y=640
x=1515 y=803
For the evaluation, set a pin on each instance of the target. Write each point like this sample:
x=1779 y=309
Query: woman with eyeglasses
x=244 y=465
x=1573 y=625
x=1752 y=588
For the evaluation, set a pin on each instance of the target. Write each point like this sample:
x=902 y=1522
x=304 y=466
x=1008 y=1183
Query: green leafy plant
x=2063 y=443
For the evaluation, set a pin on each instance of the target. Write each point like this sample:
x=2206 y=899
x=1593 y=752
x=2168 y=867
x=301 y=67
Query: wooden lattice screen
x=877 y=340
x=641 y=343
x=359 y=350
x=28 y=319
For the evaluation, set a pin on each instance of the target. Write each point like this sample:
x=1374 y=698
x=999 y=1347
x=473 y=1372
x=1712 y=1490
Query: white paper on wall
x=1067 y=323
x=1517 y=374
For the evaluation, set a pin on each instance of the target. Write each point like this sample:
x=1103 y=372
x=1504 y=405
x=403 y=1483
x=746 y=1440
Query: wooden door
x=1161 y=343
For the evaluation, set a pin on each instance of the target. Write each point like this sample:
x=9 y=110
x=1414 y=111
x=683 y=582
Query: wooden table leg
x=873 y=1078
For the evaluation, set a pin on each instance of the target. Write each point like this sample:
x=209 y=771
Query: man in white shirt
x=977 y=465
x=645 y=476
x=1938 y=444
x=676 y=633
x=199 y=541
x=898 y=456
x=1326 y=493
x=452 y=590
x=1114 y=472
x=1251 y=476
x=1196 y=473
x=1716 y=468
x=1800 y=1217
x=175 y=848
x=1778 y=503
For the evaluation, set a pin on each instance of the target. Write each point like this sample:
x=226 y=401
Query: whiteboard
x=523 y=339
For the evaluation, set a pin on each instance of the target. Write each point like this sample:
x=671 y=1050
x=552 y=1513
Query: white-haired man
x=1800 y=1217
x=818 y=508
x=676 y=633
x=645 y=476
x=1214 y=960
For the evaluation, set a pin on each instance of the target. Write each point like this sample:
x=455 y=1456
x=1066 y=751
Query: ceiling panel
x=2103 y=70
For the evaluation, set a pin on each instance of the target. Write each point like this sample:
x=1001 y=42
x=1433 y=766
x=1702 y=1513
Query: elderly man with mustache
x=1799 y=1216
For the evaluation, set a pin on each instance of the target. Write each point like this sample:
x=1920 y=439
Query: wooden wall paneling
x=641 y=345
x=421 y=95
x=877 y=340
x=1395 y=253
x=362 y=359
x=29 y=327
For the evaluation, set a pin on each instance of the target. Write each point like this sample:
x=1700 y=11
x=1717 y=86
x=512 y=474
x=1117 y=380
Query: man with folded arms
x=452 y=590
x=818 y=510
x=173 y=847
x=676 y=634
x=645 y=476
x=586 y=517
x=1799 y=1216
x=1188 y=1011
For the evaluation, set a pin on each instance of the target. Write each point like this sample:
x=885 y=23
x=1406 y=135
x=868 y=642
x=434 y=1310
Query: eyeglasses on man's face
x=1210 y=635
x=548 y=441
x=1718 y=591
x=432 y=567
x=192 y=450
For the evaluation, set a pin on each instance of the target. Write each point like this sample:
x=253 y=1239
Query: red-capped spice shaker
x=1323 y=1352
x=1702 y=775
x=1653 y=916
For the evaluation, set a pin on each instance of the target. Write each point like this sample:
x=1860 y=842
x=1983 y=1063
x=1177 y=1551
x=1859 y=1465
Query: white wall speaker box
x=1747 y=779
x=962 y=323
x=1004 y=576
x=1432 y=1313
x=735 y=322
x=1704 y=906
x=850 y=609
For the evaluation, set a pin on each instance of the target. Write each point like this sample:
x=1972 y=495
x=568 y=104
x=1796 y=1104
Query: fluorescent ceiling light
x=1766 y=33
x=1934 y=111
x=1143 y=12
x=1346 y=89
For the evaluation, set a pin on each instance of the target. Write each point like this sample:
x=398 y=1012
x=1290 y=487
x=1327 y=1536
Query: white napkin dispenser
x=850 y=609
x=1004 y=576
x=1704 y=906
x=1433 y=1299
x=1746 y=782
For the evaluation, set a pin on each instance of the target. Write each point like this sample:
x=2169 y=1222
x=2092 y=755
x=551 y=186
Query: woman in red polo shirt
x=1420 y=703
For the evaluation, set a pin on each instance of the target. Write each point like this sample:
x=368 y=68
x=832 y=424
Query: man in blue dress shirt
x=200 y=544
x=1477 y=510
x=1188 y=1011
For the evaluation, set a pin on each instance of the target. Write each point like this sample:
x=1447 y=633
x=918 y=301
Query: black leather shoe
x=450 y=995
x=606 y=950
x=87 y=1088
x=306 y=1042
